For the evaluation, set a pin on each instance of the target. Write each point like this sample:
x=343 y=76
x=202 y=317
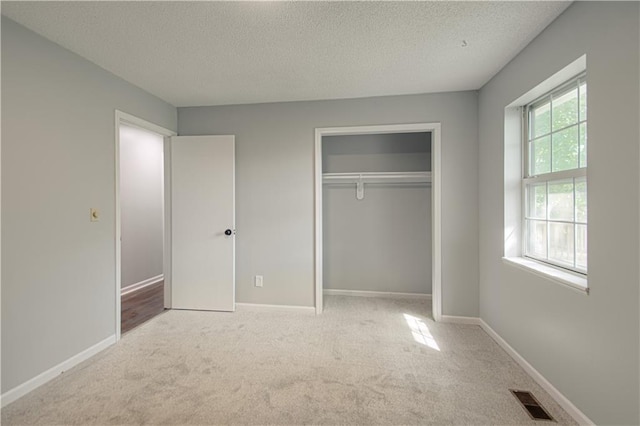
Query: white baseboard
x=261 y=307
x=452 y=319
x=142 y=284
x=23 y=389
x=562 y=400
x=386 y=294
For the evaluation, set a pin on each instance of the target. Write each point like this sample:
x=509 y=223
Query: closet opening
x=378 y=212
x=142 y=283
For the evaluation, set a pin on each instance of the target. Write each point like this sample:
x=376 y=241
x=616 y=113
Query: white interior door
x=203 y=222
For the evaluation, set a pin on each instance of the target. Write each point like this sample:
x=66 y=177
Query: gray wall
x=586 y=346
x=141 y=204
x=392 y=152
x=383 y=242
x=58 y=147
x=274 y=187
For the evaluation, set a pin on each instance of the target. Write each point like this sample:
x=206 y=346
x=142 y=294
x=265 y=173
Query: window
x=555 y=177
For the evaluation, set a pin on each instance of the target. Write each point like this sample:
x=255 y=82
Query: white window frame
x=572 y=174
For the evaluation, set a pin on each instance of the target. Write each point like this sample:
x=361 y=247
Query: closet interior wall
x=381 y=242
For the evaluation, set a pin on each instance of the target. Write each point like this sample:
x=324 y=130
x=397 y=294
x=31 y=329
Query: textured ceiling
x=215 y=53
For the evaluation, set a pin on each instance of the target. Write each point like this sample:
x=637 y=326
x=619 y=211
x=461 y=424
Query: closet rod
x=377 y=177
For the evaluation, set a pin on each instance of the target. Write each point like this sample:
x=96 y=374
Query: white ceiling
x=216 y=53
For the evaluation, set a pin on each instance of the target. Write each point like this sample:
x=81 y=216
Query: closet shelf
x=377 y=177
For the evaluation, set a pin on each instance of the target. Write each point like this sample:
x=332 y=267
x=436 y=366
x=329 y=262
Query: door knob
x=228 y=232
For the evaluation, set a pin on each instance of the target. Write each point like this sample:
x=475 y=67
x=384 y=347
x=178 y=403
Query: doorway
x=142 y=222
x=325 y=142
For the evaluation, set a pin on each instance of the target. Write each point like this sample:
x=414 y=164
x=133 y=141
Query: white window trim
x=513 y=174
x=527 y=179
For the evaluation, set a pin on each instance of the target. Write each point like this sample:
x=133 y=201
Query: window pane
x=565 y=150
x=581 y=247
x=583 y=145
x=583 y=101
x=561 y=242
x=537 y=238
x=537 y=201
x=541 y=120
x=555 y=211
x=565 y=109
x=540 y=156
x=561 y=200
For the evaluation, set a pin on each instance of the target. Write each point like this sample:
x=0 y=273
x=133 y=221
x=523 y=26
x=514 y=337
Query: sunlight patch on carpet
x=420 y=332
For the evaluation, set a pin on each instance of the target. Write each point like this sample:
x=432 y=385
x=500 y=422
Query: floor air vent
x=532 y=406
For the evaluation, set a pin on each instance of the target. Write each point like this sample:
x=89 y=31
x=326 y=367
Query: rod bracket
x=360 y=189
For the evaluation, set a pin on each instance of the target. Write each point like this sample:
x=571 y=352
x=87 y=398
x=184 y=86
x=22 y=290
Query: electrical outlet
x=257 y=280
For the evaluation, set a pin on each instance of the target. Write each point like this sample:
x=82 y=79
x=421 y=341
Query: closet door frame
x=434 y=129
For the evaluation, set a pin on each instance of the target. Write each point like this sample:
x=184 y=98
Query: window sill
x=550 y=273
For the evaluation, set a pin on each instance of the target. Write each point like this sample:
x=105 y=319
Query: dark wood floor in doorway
x=142 y=305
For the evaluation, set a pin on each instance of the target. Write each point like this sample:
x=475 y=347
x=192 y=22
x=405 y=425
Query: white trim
x=260 y=307
x=123 y=117
x=26 y=387
x=563 y=175
x=453 y=319
x=436 y=221
x=562 y=400
x=143 y=124
x=142 y=284
x=166 y=217
x=435 y=130
x=554 y=274
x=381 y=294
x=318 y=219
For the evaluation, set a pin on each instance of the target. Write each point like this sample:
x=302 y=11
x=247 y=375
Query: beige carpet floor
x=364 y=361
